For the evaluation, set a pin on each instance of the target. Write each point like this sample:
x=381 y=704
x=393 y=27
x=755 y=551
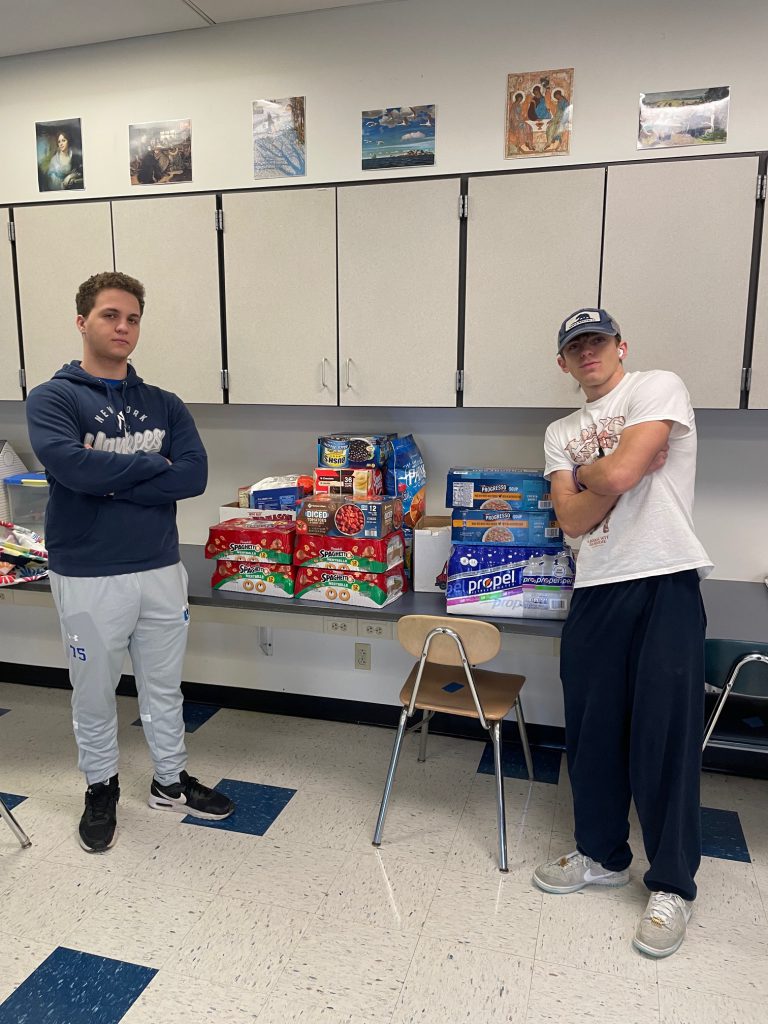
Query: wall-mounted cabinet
x=398 y=293
x=533 y=256
x=170 y=244
x=280 y=273
x=58 y=246
x=676 y=268
x=10 y=387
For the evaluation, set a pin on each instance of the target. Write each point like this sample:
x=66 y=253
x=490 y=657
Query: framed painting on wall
x=690 y=117
x=539 y=113
x=279 y=138
x=398 y=137
x=161 y=152
x=59 y=155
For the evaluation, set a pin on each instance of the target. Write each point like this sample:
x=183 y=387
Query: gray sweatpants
x=102 y=617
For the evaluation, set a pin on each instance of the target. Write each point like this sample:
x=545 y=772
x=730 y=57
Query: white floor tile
x=682 y=1006
x=563 y=994
x=194 y=857
x=172 y=998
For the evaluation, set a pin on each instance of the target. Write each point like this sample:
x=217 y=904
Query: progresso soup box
x=516 y=490
x=509 y=582
x=360 y=554
x=251 y=540
x=356 y=589
x=261 y=579
x=495 y=526
x=335 y=515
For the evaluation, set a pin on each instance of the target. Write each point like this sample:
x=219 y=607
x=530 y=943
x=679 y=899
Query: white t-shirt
x=649 y=531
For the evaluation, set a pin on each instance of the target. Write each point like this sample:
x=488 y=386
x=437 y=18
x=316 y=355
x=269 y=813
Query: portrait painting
x=539 y=113
x=59 y=155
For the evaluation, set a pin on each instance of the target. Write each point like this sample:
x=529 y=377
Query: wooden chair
x=442 y=645
x=14 y=826
x=724 y=662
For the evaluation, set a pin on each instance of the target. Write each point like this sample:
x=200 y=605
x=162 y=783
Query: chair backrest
x=722 y=655
x=481 y=640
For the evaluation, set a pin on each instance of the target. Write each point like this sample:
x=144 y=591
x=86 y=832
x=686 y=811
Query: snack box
x=360 y=554
x=352 y=451
x=233 y=511
x=275 y=492
x=262 y=579
x=516 y=490
x=251 y=540
x=357 y=483
x=491 y=526
x=335 y=515
x=509 y=582
x=353 y=589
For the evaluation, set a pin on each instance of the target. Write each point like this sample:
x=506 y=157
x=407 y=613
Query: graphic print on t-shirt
x=586 y=447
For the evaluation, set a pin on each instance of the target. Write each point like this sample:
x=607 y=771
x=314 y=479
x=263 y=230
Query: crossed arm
x=642 y=450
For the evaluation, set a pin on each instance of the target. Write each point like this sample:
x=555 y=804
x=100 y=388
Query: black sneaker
x=190 y=797
x=98 y=825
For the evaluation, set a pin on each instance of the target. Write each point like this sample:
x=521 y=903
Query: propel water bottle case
x=509 y=582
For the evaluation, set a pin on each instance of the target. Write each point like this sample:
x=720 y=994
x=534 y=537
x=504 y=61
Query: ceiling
x=30 y=26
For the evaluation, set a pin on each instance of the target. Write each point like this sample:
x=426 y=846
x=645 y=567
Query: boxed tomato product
x=262 y=579
x=334 y=515
x=354 y=589
x=361 y=554
x=251 y=540
x=358 y=483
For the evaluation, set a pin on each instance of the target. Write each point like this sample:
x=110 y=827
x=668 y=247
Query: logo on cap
x=591 y=316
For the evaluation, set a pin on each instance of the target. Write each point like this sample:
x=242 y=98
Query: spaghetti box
x=335 y=515
x=360 y=554
x=351 y=451
x=431 y=547
x=350 y=589
x=516 y=490
x=496 y=526
x=357 y=483
x=251 y=540
x=261 y=579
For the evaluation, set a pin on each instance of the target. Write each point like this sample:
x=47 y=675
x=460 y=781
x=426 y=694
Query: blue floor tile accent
x=76 y=988
x=546 y=763
x=195 y=715
x=755 y=722
x=11 y=800
x=256 y=807
x=722 y=835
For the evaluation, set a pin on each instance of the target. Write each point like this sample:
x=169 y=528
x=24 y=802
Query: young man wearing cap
x=622 y=472
x=119 y=454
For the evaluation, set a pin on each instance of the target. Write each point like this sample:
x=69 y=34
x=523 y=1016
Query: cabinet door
x=280 y=273
x=398 y=293
x=533 y=257
x=58 y=246
x=758 y=393
x=676 y=265
x=170 y=244
x=10 y=387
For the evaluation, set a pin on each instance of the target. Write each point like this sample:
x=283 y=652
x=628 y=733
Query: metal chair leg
x=424 y=735
x=718 y=708
x=524 y=739
x=14 y=826
x=390 y=777
x=501 y=815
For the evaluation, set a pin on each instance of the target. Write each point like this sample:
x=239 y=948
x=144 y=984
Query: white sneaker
x=574 y=872
x=661 y=929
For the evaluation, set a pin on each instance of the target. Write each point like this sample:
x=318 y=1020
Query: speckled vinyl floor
x=286 y=913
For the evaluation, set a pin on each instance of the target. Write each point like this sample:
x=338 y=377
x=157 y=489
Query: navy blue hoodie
x=112 y=507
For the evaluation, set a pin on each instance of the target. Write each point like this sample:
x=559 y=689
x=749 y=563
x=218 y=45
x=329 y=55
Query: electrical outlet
x=372 y=628
x=340 y=627
x=363 y=656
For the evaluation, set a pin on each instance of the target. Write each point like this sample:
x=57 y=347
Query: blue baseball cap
x=586 y=321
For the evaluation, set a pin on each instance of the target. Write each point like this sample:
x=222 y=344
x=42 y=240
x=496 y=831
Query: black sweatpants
x=632 y=666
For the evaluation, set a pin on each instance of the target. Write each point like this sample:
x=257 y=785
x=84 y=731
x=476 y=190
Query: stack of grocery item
x=253 y=555
x=507 y=553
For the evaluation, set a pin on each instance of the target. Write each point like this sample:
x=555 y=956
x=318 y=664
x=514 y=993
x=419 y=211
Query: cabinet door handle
x=347 y=384
x=322 y=373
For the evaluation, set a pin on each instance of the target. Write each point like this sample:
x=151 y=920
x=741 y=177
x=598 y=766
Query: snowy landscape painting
x=279 y=138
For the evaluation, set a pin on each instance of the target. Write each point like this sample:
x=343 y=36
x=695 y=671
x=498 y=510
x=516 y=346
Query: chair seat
x=497 y=691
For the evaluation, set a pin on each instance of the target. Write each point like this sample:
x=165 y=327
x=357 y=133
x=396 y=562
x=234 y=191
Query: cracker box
x=360 y=554
x=516 y=490
x=509 y=582
x=251 y=540
x=357 y=483
x=335 y=515
x=351 y=451
x=350 y=589
x=494 y=526
x=261 y=579
x=233 y=511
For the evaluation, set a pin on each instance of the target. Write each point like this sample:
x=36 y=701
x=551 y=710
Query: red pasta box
x=251 y=540
x=261 y=579
x=357 y=483
x=333 y=515
x=351 y=589
x=360 y=554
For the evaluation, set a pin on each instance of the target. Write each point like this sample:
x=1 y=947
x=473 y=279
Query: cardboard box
x=335 y=515
x=494 y=526
x=509 y=582
x=360 y=554
x=516 y=490
x=431 y=548
x=259 y=579
x=356 y=483
x=350 y=589
x=251 y=540
x=233 y=511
